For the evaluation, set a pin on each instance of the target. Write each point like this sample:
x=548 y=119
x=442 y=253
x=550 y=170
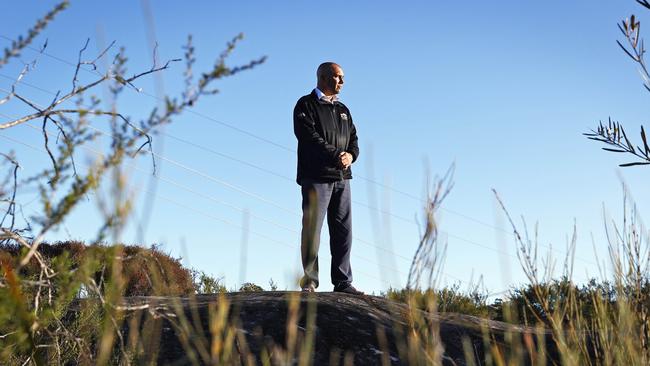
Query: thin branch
x=130 y=80
x=49 y=152
x=7 y=335
x=11 y=210
x=22 y=74
x=155 y=56
x=47 y=111
x=32 y=250
x=69 y=143
x=28 y=102
x=124 y=119
x=79 y=63
x=92 y=63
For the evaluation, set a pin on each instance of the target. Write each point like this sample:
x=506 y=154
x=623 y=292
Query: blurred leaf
x=614 y=150
x=598 y=139
x=629 y=145
x=637 y=163
x=644 y=3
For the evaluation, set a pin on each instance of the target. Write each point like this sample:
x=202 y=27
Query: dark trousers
x=334 y=200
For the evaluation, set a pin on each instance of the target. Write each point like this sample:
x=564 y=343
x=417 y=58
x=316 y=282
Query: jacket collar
x=317 y=94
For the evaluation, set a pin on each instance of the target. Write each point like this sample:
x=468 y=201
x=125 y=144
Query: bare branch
x=92 y=63
x=49 y=152
x=24 y=71
x=101 y=54
x=7 y=335
x=68 y=142
x=130 y=80
x=11 y=210
x=32 y=250
x=155 y=56
x=47 y=111
x=76 y=71
x=113 y=114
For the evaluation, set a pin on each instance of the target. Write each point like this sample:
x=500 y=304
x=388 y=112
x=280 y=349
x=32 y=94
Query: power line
x=265 y=140
x=237 y=208
x=294 y=247
x=230 y=205
x=230 y=157
x=240 y=209
x=172 y=182
x=240 y=161
x=219 y=181
x=240 y=190
x=214 y=120
x=288 y=149
x=274 y=204
x=406 y=194
x=358 y=239
x=224 y=221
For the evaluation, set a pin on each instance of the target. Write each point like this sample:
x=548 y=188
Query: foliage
x=140 y=266
x=250 y=287
x=206 y=284
x=448 y=300
x=587 y=297
x=62 y=303
x=593 y=323
x=613 y=133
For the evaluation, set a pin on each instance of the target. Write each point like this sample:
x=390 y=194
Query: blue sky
x=502 y=89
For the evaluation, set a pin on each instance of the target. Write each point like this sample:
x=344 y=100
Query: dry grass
x=64 y=304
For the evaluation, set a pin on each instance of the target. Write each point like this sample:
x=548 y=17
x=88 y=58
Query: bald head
x=326 y=69
x=330 y=78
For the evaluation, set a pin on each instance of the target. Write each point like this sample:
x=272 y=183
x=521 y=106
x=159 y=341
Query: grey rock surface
x=344 y=324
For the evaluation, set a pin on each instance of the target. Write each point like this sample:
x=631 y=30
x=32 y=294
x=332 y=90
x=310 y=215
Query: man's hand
x=345 y=160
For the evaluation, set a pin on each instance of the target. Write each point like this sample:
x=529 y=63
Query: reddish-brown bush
x=145 y=271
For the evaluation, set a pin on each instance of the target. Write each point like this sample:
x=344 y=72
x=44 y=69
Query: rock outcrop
x=346 y=326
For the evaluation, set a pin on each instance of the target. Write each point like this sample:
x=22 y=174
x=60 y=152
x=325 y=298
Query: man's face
x=333 y=81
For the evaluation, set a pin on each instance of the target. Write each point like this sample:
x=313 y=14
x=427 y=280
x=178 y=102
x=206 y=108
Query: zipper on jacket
x=337 y=123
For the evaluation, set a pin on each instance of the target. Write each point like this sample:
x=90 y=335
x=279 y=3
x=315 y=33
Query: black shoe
x=348 y=289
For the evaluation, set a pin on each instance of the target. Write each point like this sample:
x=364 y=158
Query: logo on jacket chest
x=344 y=117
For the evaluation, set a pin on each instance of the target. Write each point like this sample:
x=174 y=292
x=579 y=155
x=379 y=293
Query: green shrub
x=250 y=287
x=449 y=299
x=206 y=284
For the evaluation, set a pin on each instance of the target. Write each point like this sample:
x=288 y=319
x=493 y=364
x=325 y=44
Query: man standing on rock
x=327 y=147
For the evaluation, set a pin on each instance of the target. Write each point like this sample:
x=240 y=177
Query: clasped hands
x=345 y=160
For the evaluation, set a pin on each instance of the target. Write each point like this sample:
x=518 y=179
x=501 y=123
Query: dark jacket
x=323 y=130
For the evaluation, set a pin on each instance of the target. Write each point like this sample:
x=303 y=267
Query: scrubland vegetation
x=62 y=303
